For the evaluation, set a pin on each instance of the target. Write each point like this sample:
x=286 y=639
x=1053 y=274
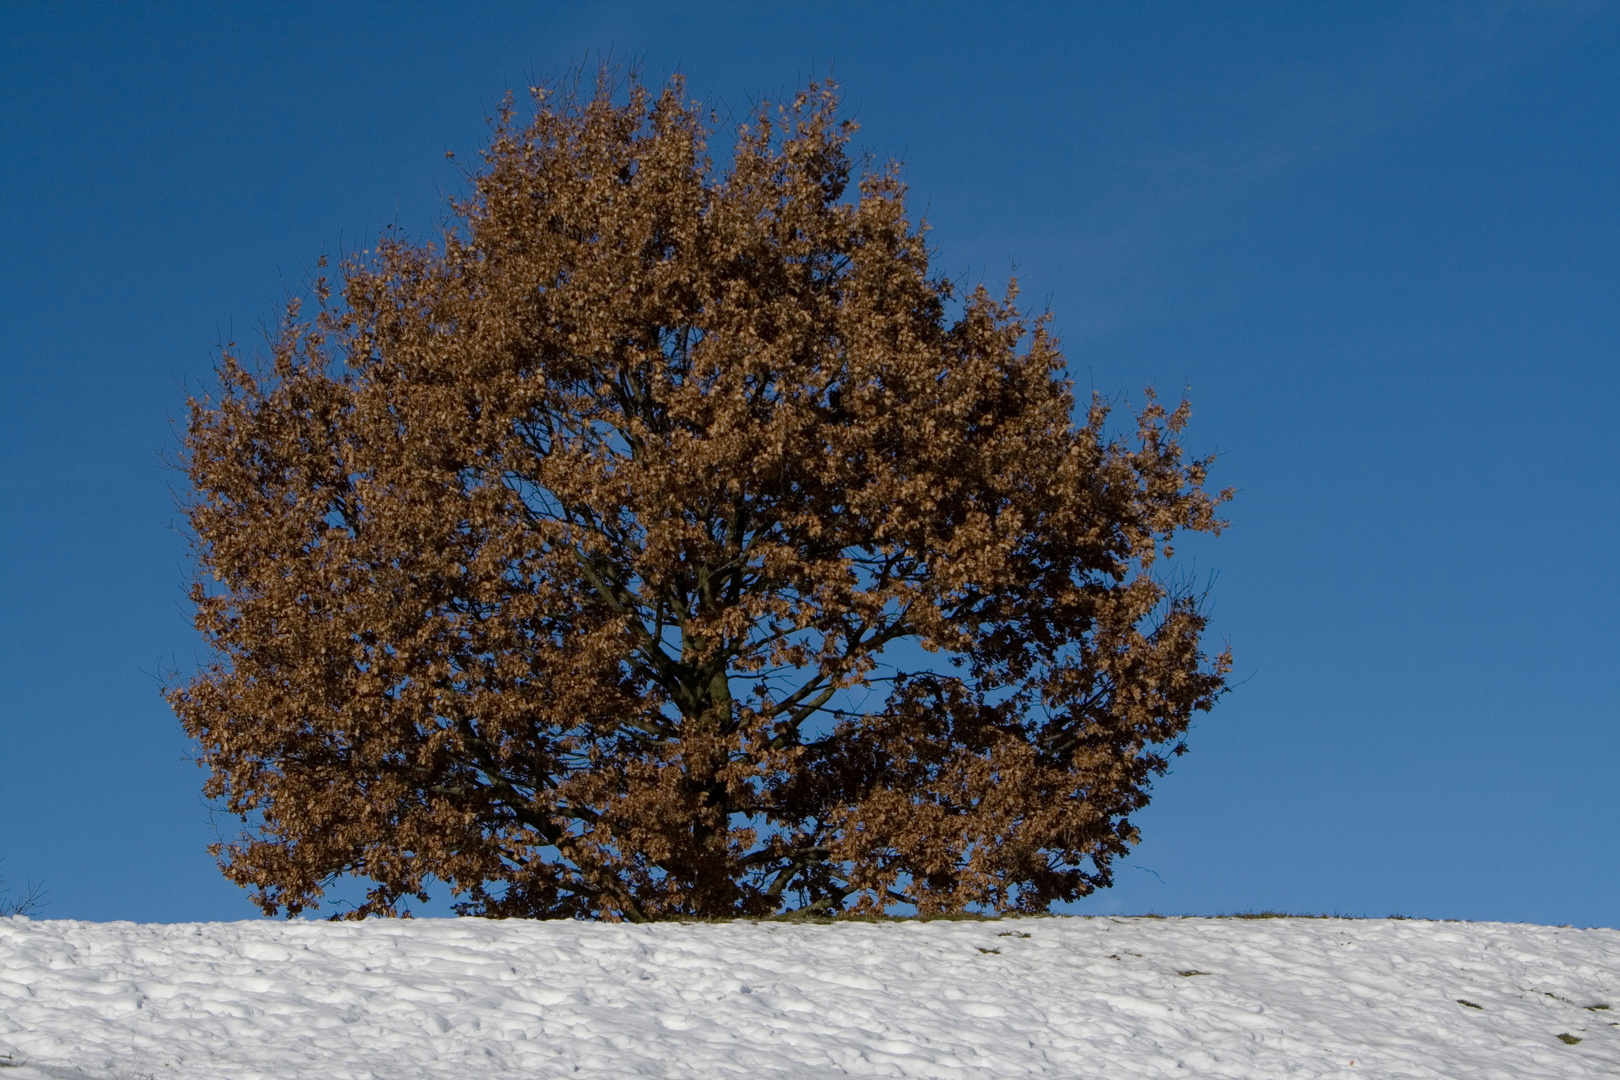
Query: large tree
x=670 y=540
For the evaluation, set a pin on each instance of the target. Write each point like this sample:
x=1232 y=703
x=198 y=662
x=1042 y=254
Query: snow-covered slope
x=1111 y=998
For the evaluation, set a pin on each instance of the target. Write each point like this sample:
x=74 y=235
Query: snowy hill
x=1110 y=998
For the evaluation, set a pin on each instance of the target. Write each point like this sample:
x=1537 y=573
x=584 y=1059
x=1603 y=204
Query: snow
x=1114 y=998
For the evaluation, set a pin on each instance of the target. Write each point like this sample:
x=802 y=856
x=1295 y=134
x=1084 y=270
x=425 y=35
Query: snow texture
x=1114 y=998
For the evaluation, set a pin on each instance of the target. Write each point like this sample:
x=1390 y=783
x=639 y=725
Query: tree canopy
x=670 y=540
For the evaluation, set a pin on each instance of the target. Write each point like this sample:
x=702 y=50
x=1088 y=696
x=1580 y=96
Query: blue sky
x=1379 y=242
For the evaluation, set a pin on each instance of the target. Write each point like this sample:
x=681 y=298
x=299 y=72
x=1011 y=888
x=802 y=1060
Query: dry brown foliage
x=661 y=544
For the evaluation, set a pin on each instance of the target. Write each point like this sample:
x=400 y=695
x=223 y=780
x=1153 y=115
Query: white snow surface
x=1115 y=998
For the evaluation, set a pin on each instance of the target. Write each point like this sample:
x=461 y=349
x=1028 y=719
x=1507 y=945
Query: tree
x=31 y=900
x=670 y=541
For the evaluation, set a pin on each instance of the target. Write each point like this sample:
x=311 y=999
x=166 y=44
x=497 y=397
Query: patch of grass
x=1470 y=1004
x=1598 y=1008
x=992 y=952
x=1566 y=1037
x=1269 y=913
x=1016 y=933
x=822 y=918
x=1190 y=974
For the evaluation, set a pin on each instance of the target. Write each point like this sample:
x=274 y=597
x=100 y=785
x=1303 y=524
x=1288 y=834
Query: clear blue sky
x=1380 y=242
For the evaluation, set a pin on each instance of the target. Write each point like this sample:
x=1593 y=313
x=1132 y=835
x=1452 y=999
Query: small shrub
x=29 y=902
